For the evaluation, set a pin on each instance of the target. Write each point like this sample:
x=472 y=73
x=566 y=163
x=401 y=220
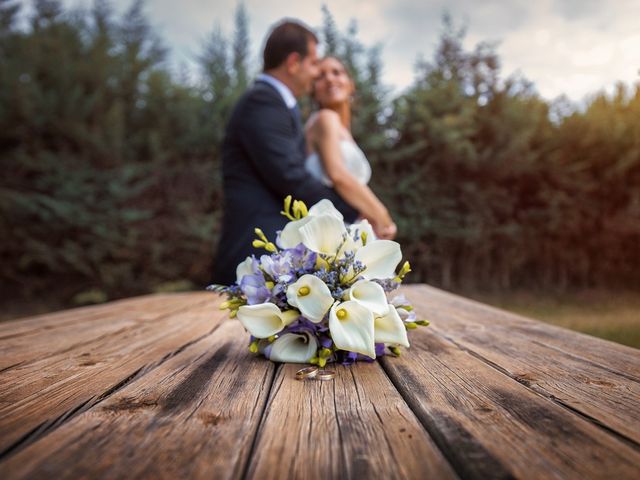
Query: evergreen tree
x=241 y=46
x=330 y=35
x=112 y=178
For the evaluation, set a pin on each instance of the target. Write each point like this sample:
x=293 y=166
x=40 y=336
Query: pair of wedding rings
x=315 y=373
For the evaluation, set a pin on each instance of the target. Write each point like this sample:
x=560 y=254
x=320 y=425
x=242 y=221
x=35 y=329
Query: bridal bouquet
x=318 y=295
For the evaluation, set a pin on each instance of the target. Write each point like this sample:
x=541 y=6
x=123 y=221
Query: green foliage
x=241 y=45
x=112 y=178
x=330 y=34
x=490 y=193
x=114 y=183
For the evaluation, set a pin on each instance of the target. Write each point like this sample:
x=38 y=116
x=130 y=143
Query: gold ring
x=325 y=375
x=307 y=372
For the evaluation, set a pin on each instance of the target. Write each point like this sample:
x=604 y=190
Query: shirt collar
x=282 y=89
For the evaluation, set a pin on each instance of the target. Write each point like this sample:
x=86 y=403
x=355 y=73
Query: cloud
x=564 y=46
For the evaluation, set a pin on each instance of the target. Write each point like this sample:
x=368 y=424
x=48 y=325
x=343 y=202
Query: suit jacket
x=263 y=157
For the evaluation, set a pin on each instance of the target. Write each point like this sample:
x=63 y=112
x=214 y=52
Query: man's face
x=306 y=70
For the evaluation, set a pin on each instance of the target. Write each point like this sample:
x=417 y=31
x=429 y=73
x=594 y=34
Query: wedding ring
x=307 y=372
x=325 y=375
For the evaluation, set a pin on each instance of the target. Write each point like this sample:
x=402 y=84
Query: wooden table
x=164 y=387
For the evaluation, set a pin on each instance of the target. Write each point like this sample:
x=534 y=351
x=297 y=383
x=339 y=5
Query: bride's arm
x=326 y=139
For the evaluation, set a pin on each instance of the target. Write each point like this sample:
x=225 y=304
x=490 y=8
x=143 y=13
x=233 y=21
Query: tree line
x=111 y=180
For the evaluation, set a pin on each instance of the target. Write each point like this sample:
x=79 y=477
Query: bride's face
x=333 y=86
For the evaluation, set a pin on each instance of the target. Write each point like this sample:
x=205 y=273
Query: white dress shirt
x=289 y=100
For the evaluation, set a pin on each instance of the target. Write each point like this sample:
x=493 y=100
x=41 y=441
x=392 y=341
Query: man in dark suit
x=263 y=152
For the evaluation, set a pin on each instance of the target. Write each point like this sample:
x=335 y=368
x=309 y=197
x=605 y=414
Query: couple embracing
x=268 y=153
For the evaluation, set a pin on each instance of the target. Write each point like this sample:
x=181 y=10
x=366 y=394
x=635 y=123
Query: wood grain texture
x=194 y=416
x=616 y=358
x=23 y=341
x=356 y=426
x=63 y=318
x=37 y=394
x=162 y=387
x=608 y=397
x=490 y=426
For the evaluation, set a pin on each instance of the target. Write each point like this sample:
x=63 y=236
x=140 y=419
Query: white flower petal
x=244 y=268
x=357 y=229
x=264 y=319
x=323 y=234
x=399 y=300
x=403 y=313
x=311 y=296
x=389 y=329
x=380 y=257
x=290 y=235
x=351 y=327
x=370 y=295
x=325 y=207
x=293 y=348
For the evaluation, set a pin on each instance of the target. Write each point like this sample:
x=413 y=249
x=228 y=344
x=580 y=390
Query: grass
x=610 y=315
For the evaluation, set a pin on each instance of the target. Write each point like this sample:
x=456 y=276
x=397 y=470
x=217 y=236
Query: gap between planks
x=548 y=396
x=49 y=426
x=587 y=387
x=194 y=416
x=482 y=420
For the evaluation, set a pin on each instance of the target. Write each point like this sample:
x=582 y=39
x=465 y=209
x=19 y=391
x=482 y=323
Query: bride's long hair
x=315 y=105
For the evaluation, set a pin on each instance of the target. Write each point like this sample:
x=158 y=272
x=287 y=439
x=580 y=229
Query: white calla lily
x=325 y=207
x=294 y=348
x=311 y=296
x=244 y=268
x=290 y=236
x=390 y=329
x=265 y=319
x=355 y=233
x=370 y=295
x=323 y=234
x=380 y=257
x=351 y=327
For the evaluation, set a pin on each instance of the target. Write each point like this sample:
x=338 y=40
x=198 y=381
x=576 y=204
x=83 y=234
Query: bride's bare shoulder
x=323 y=119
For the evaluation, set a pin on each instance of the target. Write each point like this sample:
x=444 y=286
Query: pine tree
x=330 y=35
x=241 y=48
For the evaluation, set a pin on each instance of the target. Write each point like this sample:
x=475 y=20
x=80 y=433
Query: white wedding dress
x=354 y=159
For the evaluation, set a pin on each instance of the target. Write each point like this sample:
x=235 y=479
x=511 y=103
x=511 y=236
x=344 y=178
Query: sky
x=570 y=47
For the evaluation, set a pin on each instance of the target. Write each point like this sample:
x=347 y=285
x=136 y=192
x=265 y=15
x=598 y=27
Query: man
x=263 y=151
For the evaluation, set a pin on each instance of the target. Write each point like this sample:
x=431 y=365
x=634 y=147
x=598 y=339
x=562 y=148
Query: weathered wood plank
x=194 y=416
x=490 y=426
x=36 y=395
x=36 y=323
x=356 y=426
x=594 y=390
x=617 y=358
x=27 y=340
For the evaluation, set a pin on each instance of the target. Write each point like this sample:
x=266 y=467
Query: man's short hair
x=286 y=37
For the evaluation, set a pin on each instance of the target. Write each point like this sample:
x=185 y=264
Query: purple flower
x=388 y=285
x=248 y=267
x=254 y=288
x=303 y=260
x=279 y=296
x=348 y=358
x=302 y=325
x=277 y=266
x=325 y=341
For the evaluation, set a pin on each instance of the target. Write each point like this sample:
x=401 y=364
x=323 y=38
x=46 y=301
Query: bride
x=334 y=157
